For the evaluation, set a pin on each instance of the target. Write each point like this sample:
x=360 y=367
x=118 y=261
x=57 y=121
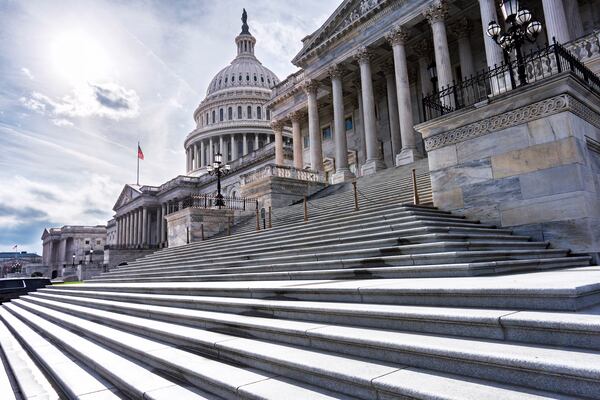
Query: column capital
x=398 y=35
x=362 y=55
x=310 y=86
x=436 y=12
x=462 y=28
x=296 y=116
x=277 y=125
x=334 y=71
x=423 y=48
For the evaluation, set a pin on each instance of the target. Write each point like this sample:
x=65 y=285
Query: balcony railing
x=210 y=201
x=538 y=65
x=272 y=170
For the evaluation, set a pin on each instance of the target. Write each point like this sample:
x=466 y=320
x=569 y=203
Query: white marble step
x=365 y=269
x=351 y=375
x=557 y=290
x=366 y=258
x=578 y=329
x=553 y=369
x=357 y=220
x=219 y=378
x=133 y=380
x=74 y=381
x=31 y=383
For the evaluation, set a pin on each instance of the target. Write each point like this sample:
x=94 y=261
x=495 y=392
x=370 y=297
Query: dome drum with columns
x=233 y=119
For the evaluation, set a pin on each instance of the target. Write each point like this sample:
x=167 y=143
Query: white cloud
x=27 y=73
x=62 y=122
x=108 y=100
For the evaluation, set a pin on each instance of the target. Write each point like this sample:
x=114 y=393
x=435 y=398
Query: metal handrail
x=210 y=201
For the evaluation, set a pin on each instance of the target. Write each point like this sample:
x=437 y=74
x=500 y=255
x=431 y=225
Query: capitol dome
x=232 y=119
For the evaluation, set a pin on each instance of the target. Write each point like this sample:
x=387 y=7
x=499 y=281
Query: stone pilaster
x=462 y=30
x=144 y=240
x=423 y=51
x=374 y=162
x=202 y=154
x=245 y=145
x=314 y=128
x=392 y=102
x=234 y=148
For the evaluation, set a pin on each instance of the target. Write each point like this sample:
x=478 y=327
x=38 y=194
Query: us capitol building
x=403 y=81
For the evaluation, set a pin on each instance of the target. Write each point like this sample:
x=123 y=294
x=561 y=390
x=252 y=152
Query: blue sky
x=83 y=81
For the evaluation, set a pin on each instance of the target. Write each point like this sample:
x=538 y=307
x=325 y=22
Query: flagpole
x=137 y=156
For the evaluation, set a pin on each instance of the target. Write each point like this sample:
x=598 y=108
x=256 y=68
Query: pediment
x=127 y=195
x=350 y=13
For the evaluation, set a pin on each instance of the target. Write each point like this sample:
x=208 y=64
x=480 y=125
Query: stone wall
x=523 y=161
x=274 y=191
x=115 y=257
x=195 y=224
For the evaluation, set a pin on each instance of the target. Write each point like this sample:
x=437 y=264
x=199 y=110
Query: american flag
x=15 y=247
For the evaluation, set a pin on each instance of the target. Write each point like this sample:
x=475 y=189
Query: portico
x=357 y=97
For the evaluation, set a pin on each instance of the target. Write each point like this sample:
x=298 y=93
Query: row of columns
x=133 y=227
x=201 y=153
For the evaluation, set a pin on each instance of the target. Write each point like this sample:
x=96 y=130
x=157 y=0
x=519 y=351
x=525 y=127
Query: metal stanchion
x=229 y=226
x=415 y=188
x=305 y=209
x=202 y=230
x=355 y=195
x=257 y=217
x=270 y=218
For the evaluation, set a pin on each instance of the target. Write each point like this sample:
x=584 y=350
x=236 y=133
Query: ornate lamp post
x=519 y=28
x=219 y=170
x=431 y=68
x=91 y=255
x=73 y=260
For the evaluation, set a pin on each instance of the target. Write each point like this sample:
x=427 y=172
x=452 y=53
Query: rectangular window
x=306 y=141
x=349 y=123
x=87 y=242
x=326 y=132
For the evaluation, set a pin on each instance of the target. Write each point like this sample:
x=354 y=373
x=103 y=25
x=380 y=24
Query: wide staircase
x=390 y=301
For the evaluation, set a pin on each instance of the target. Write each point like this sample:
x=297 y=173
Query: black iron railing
x=539 y=65
x=210 y=201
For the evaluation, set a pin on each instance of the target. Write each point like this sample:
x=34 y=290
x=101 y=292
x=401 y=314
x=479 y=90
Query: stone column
x=234 y=148
x=360 y=132
x=202 y=160
x=423 y=51
x=196 y=157
x=144 y=226
x=374 y=162
x=158 y=223
x=436 y=15
x=574 y=19
x=136 y=227
x=297 y=139
x=462 y=30
x=392 y=102
x=222 y=148
x=556 y=21
x=397 y=38
x=342 y=172
x=245 y=145
x=493 y=52
x=256 y=144
x=314 y=128
x=277 y=127
x=163 y=224
x=211 y=150
x=117 y=230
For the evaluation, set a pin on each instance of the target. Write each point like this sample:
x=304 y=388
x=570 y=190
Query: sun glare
x=79 y=58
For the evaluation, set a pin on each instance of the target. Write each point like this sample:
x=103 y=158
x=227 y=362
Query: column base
x=407 y=156
x=342 y=175
x=372 y=166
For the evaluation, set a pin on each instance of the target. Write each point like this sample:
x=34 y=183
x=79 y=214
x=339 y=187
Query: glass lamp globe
x=493 y=29
x=215 y=165
x=209 y=168
x=534 y=28
x=218 y=158
x=432 y=71
x=523 y=17
x=227 y=167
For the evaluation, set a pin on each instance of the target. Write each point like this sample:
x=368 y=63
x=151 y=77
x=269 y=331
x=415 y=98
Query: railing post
x=557 y=56
x=270 y=218
x=305 y=209
x=257 y=217
x=229 y=225
x=205 y=201
x=355 y=195
x=415 y=188
x=202 y=231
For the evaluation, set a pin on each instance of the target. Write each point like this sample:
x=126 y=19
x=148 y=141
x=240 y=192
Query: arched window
x=230 y=113
x=248 y=78
x=255 y=79
x=249 y=112
x=225 y=79
x=239 y=112
x=214 y=115
x=232 y=78
x=262 y=79
x=258 y=113
x=268 y=114
x=221 y=115
x=240 y=78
